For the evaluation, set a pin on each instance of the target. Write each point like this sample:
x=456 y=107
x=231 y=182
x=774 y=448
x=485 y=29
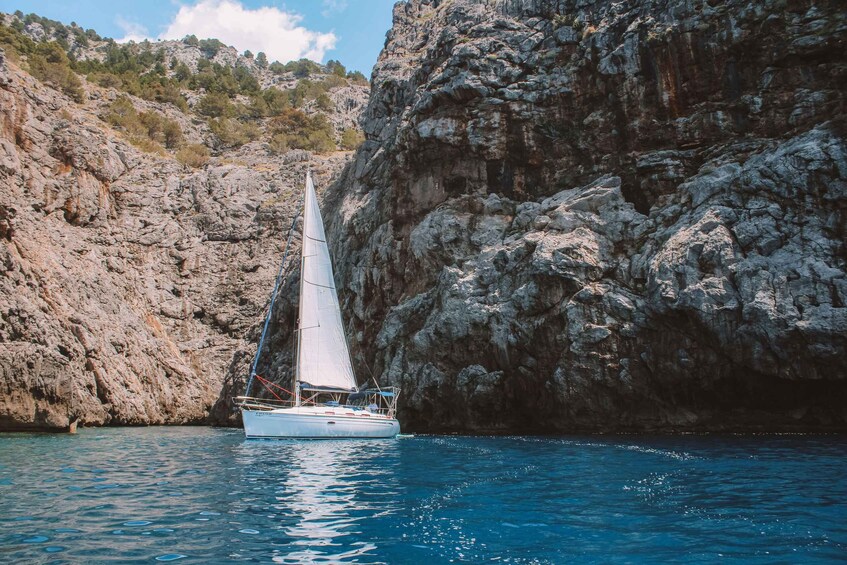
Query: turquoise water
x=207 y=495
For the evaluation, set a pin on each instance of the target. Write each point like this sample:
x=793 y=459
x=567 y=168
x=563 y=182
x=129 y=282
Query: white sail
x=324 y=360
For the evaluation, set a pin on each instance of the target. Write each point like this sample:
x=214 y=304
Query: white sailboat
x=327 y=402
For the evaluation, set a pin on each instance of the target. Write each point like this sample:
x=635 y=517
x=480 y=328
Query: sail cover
x=324 y=360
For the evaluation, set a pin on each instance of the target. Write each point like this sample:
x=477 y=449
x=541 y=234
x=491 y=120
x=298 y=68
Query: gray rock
x=673 y=252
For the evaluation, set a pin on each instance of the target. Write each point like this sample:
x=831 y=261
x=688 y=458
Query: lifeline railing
x=253 y=403
x=385 y=405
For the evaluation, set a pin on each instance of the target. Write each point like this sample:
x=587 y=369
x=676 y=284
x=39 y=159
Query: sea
x=207 y=495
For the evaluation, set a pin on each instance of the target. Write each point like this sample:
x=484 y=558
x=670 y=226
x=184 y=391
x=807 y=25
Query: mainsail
x=323 y=357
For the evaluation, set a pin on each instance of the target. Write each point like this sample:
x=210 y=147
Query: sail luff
x=323 y=355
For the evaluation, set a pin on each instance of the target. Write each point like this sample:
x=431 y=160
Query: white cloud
x=332 y=7
x=267 y=29
x=133 y=31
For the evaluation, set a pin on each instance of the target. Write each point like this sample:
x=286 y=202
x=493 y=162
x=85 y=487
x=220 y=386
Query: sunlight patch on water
x=54 y=548
x=171 y=557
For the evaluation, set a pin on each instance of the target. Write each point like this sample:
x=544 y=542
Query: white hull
x=317 y=422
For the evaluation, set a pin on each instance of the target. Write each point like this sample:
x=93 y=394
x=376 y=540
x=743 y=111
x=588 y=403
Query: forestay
x=324 y=360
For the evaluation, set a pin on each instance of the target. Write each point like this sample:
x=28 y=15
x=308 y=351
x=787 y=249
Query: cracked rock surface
x=568 y=215
x=574 y=215
x=128 y=283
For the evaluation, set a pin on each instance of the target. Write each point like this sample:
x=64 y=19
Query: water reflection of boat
x=325 y=491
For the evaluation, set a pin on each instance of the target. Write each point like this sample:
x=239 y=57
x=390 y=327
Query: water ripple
x=206 y=495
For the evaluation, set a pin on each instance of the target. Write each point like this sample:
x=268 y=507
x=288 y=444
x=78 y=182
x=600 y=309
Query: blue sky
x=351 y=31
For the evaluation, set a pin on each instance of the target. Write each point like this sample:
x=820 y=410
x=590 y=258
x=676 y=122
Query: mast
x=300 y=295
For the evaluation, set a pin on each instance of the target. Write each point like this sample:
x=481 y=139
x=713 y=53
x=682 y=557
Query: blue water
x=207 y=495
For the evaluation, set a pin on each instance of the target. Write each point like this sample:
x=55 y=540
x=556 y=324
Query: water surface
x=207 y=495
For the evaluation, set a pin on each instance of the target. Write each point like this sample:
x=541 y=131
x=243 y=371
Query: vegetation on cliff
x=227 y=95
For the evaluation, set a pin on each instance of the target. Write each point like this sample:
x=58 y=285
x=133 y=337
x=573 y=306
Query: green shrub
x=233 y=133
x=307 y=89
x=50 y=26
x=144 y=128
x=215 y=105
x=270 y=102
x=255 y=109
x=141 y=70
x=333 y=81
x=136 y=71
x=106 y=80
x=161 y=130
x=164 y=91
x=351 y=139
x=290 y=121
x=210 y=47
x=357 y=78
x=336 y=68
x=194 y=155
x=247 y=83
x=181 y=72
x=324 y=103
x=147 y=145
x=278 y=143
x=80 y=37
x=320 y=141
x=276 y=100
x=302 y=68
x=213 y=77
x=172 y=134
x=13 y=40
x=49 y=63
x=122 y=114
x=303 y=91
x=293 y=129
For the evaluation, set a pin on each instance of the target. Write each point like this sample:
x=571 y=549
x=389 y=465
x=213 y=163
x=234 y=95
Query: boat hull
x=310 y=423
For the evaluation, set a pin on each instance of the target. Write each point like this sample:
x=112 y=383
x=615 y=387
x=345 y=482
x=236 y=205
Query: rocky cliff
x=129 y=282
x=604 y=215
x=567 y=215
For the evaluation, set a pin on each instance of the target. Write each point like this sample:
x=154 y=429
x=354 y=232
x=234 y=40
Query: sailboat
x=327 y=403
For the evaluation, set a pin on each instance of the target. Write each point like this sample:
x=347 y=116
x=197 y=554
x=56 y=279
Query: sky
x=350 y=31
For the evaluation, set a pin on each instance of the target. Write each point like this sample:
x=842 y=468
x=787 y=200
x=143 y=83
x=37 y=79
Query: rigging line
x=365 y=361
x=313 y=239
x=265 y=384
x=271 y=307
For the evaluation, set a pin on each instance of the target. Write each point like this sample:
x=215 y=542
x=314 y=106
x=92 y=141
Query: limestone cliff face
x=128 y=283
x=602 y=215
